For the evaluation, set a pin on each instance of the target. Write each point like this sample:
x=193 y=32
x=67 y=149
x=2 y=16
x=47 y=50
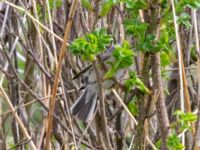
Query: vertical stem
x=197 y=134
x=139 y=141
x=51 y=27
x=58 y=69
x=160 y=105
x=181 y=71
x=179 y=56
x=102 y=106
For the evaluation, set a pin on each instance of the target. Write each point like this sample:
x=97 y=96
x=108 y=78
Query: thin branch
x=132 y=117
x=33 y=19
x=197 y=134
x=4 y=21
x=51 y=28
x=11 y=51
x=25 y=132
x=28 y=103
x=180 y=62
x=58 y=70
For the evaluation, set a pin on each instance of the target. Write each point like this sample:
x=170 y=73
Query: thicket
x=48 y=47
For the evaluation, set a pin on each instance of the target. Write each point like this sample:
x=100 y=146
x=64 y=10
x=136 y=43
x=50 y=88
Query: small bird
x=85 y=105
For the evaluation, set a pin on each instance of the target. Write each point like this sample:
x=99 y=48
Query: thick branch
x=160 y=105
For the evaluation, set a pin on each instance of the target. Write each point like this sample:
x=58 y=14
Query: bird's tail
x=85 y=105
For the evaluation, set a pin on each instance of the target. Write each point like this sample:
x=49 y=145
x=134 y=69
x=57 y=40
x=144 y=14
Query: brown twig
x=58 y=69
x=25 y=132
x=27 y=104
x=34 y=94
x=33 y=19
x=130 y=114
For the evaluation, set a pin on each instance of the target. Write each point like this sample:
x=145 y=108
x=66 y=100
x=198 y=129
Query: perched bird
x=85 y=105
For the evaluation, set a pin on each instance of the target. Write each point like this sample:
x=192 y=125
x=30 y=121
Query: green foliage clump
x=184 y=19
x=184 y=120
x=173 y=142
x=123 y=58
x=136 y=28
x=135 y=81
x=91 y=45
x=131 y=5
x=53 y=4
x=95 y=43
x=133 y=107
x=106 y=7
x=182 y=4
x=87 y=4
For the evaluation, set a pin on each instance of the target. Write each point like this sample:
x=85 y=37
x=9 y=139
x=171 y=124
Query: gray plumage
x=85 y=105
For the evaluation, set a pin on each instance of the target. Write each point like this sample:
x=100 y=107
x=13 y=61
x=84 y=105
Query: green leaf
x=131 y=82
x=188 y=117
x=58 y=3
x=115 y=1
x=193 y=4
x=140 y=85
x=173 y=142
x=144 y=42
x=178 y=112
x=87 y=4
x=91 y=45
x=104 y=39
x=51 y=4
x=123 y=58
x=136 y=4
x=148 y=45
x=184 y=19
x=185 y=119
x=106 y=7
x=136 y=28
x=135 y=81
x=132 y=106
x=165 y=59
x=158 y=144
x=109 y=74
